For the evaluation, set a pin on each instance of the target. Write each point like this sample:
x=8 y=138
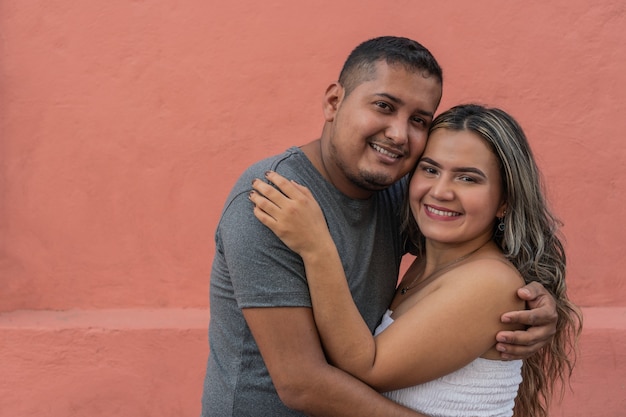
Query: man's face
x=379 y=130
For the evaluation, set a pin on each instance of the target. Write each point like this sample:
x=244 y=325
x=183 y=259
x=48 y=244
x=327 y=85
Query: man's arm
x=273 y=207
x=542 y=318
x=290 y=346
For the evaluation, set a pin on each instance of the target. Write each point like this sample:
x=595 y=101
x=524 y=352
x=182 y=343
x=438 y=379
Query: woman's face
x=456 y=190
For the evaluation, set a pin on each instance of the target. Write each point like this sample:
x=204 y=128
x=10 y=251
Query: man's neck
x=313 y=151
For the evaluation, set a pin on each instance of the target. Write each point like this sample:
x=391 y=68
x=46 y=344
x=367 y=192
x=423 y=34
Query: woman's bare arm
x=434 y=338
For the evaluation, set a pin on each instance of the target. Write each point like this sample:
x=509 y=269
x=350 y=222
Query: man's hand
x=541 y=317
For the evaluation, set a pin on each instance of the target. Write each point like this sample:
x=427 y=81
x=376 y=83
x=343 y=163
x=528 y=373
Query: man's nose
x=397 y=131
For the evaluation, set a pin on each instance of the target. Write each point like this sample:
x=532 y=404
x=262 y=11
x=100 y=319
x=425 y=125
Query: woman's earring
x=501 y=225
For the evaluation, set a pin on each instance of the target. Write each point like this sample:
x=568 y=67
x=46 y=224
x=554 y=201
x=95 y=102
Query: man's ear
x=332 y=98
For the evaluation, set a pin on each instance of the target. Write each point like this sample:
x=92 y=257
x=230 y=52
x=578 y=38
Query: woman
x=480 y=226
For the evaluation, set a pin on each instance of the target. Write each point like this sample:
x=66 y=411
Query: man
x=265 y=355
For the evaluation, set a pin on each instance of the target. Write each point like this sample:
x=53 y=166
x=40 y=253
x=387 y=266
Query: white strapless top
x=483 y=388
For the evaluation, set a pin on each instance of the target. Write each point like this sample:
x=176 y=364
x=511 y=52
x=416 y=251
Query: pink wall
x=123 y=125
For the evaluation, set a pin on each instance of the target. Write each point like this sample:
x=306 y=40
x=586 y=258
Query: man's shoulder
x=292 y=160
x=237 y=203
x=291 y=155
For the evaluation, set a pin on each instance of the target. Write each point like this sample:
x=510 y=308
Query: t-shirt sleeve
x=263 y=271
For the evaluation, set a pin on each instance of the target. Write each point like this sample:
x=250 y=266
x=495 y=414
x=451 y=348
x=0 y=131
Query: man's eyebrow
x=388 y=96
x=397 y=100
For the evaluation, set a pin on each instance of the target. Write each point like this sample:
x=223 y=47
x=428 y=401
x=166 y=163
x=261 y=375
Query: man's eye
x=419 y=120
x=383 y=105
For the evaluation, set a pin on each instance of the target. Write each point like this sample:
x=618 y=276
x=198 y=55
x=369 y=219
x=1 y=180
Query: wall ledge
x=596 y=318
x=122 y=319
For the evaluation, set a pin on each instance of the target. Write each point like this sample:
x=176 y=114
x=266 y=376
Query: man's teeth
x=384 y=151
x=442 y=213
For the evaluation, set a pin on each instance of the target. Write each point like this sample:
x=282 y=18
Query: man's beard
x=366 y=180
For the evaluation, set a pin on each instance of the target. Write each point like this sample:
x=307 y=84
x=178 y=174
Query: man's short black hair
x=361 y=63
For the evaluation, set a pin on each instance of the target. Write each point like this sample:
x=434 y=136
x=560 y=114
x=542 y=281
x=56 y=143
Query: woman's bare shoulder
x=492 y=268
x=491 y=278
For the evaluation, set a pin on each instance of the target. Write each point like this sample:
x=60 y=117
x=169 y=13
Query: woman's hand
x=291 y=212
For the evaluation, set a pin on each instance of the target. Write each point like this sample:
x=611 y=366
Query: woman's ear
x=332 y=99
x=502 y=210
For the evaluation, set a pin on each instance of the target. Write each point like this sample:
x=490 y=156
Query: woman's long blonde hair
x=530 y=241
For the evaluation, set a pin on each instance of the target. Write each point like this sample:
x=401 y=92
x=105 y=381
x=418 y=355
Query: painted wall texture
x=123 y=125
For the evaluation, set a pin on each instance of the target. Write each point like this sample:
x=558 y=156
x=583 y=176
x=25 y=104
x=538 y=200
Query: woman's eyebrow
x=457 y=169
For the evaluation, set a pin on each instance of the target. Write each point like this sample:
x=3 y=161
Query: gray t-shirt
x=253 y=268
